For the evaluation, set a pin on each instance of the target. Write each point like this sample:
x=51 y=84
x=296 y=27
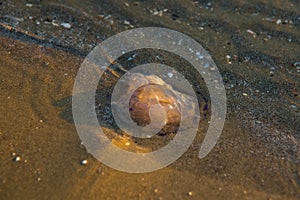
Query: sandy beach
x=256 y=46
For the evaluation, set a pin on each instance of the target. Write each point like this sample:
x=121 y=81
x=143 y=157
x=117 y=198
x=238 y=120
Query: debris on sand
x=84 y=162
x=66 y=25
x=190 y=194
x=128 y=24
x=228 y=59
x=252 y=33
x=17 y=159
x=278 y=21
x=297 y=64
x=158 y=12
x=170 y=74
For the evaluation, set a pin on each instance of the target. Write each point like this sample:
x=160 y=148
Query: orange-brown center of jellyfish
x=151 y=94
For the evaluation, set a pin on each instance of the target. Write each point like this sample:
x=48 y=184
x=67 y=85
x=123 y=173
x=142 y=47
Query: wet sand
x=257 y=155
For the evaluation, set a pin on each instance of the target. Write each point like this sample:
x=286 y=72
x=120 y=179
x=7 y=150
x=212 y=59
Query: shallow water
x=257 y=155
